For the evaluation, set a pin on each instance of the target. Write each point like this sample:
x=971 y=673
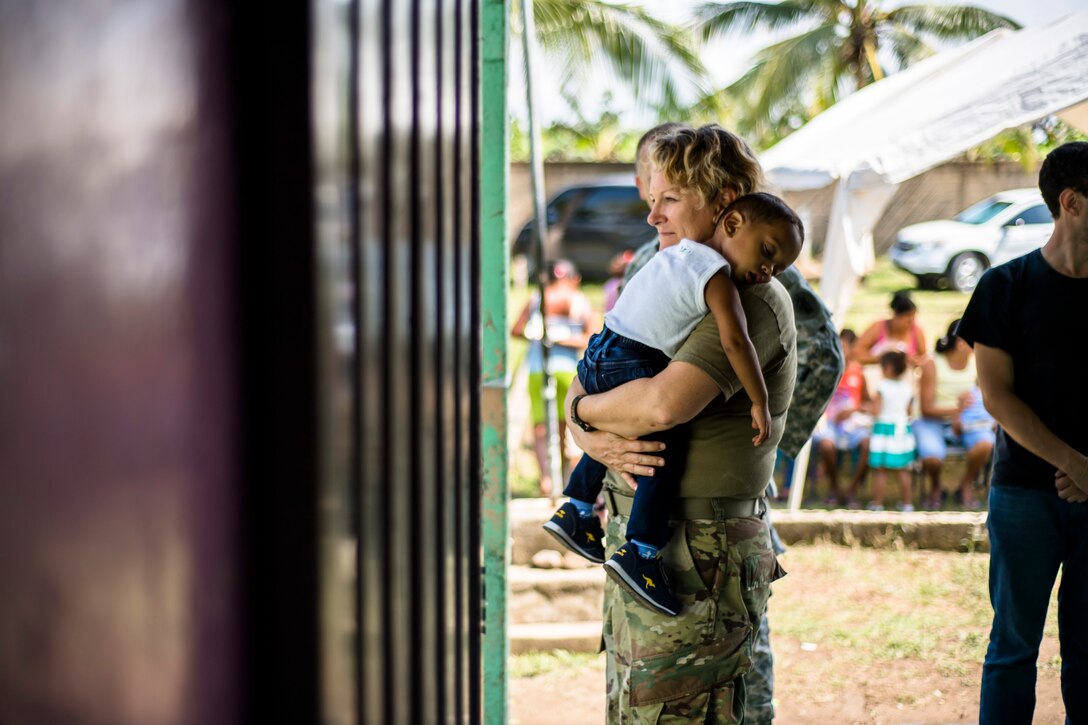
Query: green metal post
x=494 y=153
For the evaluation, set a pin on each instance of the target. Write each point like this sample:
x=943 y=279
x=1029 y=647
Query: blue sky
x=728 y=58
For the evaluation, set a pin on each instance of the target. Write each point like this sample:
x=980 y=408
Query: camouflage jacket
x=820 y=361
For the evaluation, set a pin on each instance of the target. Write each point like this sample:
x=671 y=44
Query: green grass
x=865 y=609
x=542 y=663
x=883 y=605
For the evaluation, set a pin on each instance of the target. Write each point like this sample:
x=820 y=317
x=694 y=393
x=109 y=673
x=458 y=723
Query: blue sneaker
x=583 y=536
x=644 y=579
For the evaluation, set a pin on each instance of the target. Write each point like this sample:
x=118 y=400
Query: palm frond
x=712 y=19
x=905 y=46
x=652 y=58
x=785 y=69
x=949 y=22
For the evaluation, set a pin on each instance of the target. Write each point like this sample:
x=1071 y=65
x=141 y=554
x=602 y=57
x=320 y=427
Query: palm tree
x=838 y=48
x=652 y=58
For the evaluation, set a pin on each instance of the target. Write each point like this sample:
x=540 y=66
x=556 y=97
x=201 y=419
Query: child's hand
x=761 y=421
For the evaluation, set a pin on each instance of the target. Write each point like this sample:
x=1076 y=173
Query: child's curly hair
x=707 y=160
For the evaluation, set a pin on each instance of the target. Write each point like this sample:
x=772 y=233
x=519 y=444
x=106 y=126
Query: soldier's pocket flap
x=760 y=570
x=666 y=677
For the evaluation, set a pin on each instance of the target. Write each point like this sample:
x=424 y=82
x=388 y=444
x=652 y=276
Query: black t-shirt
x=1040 y=318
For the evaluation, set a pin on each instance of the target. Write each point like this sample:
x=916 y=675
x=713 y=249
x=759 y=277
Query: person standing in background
x=571 y=320
x=1027 y=325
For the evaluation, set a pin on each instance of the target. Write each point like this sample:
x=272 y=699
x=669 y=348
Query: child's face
x=758 y=251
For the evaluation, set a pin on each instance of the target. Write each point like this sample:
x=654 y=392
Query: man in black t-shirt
x=1028 y=323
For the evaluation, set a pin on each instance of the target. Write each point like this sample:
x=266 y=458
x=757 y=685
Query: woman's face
x=902 y=322
x=960 y=355
x=678 y=213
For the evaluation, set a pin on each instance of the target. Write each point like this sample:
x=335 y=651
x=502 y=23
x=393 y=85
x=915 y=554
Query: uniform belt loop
x=719 y=509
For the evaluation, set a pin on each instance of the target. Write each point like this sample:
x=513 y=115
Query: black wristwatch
x=574 y=415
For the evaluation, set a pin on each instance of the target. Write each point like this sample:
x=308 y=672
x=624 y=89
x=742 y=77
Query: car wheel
x=965 y=271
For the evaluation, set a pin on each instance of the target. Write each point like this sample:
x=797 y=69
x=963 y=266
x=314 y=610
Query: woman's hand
x=1067 y=488
x=618 y=453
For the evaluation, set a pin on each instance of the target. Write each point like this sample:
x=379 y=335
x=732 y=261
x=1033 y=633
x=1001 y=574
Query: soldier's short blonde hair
x=706 y=161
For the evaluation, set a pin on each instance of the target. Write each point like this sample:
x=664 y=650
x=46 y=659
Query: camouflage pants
x=664 y=670
x=759 y=682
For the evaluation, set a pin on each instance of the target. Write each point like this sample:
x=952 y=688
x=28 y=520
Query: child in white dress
x=891 y=447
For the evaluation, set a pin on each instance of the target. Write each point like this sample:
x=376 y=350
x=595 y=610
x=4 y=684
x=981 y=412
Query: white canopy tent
x=892 y=130
x=923 y=116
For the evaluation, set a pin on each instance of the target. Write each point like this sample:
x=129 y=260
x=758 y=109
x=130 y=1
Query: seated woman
x=719 y=559
x=952 y=414
x=898 y=332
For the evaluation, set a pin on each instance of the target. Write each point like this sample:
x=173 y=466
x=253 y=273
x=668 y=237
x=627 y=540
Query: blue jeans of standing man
x=1032 y=533
x=611 y=360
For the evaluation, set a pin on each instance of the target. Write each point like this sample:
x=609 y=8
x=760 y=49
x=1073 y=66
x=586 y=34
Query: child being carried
x=757 y=237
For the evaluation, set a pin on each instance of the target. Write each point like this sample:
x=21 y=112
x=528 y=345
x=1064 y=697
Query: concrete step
x=545 y=637
x=555 y=595
x=527 y=518
x=941 y=530
x=934 y=530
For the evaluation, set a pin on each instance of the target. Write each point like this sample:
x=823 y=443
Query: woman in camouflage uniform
x=690 y=668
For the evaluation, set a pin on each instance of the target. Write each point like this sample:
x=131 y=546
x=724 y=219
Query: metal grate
x=397 y=136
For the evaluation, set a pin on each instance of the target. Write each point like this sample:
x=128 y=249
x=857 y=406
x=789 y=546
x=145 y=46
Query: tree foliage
x=835 y=48
x=652 y=59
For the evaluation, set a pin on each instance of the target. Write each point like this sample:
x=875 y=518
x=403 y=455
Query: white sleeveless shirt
x=665 y=300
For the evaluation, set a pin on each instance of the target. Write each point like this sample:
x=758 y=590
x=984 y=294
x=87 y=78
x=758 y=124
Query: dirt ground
x=803 y=699
x=899 y=692
x=863 y=637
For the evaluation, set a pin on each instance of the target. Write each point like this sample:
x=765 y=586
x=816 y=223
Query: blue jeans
x=1032 y=533
x=611 y=360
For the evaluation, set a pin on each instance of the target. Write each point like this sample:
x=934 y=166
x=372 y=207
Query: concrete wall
x=936 y=194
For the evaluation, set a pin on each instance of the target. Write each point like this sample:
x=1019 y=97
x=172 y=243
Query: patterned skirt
x=892 y=445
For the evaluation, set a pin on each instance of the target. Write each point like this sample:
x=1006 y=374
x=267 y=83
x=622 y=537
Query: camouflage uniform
x=819 y=362
x=666 y=670
x=759 y=682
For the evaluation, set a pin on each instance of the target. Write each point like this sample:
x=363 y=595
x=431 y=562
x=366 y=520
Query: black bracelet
x=574 y=415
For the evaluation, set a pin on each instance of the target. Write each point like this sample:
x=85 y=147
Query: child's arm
x=724 y=303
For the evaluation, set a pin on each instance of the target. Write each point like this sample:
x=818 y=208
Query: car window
x=1033 y=215
x=557 y=209
x=981 y=212
x=611 y=205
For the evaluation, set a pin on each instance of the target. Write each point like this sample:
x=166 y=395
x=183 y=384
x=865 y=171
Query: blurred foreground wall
x=237 y=334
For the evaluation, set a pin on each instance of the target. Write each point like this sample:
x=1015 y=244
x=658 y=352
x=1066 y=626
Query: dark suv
x=592 y=222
